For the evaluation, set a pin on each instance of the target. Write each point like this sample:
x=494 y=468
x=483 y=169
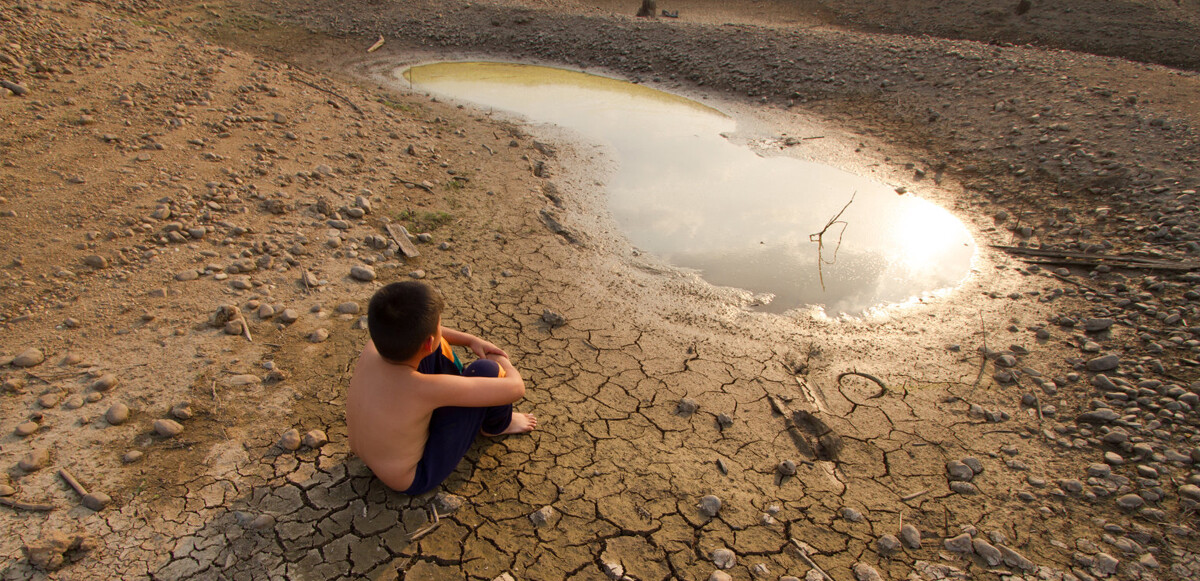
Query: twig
x=25 y=505
x=324 y=90
x=378 y=43
x=246 y=330
x=485 y=146
x=426 y=529
x=910 y=496
x=804 y=551
x=70 y=479
x=819 y=238
x=883 y=388
x=416 y=185
x=983 y=361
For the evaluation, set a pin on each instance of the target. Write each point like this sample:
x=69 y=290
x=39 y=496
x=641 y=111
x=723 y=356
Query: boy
x=411 y=410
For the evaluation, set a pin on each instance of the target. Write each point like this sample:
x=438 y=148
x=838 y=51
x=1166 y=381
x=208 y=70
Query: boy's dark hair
x=401 y=316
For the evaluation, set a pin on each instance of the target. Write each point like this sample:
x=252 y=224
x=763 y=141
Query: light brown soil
x=259 y=125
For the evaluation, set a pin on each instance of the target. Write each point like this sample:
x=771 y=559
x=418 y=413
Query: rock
x=447 y=503
x=48 y=400
x=851 y=514
x=104 y=382
x=362 y=272
x=289 y=316
x=117 y=414
x=724 y=558
x=960 y=544
x=865 y=572
x=965 y=488
x=73 y=402
x=182 y=411
x=989 y=553
x=1104 y=363
x=724 y=421
x=1099 y=416
x=542 y=516
x=96 y=501
x=54 y=549
x=132 y=456
x=95 y=261
x=958 y=471
x=417 y=274
x=786 y=468
x=1015 y=559
x=315 y=439
x=290 y=440
x=24 y=429
x=187 y=275
x=167 y=428
x=35 y=460
x=348 y=308
x=709 y=506
x=686 y=407
x=17 y=89
x=244 y=379
x=910 y=536
x=974 y=464
x=887 y=544
x=1190 y=491
x=720 y=576
x=6 y=490
x=318 y=336
x=552 y=318
x=29 y=358
x=1130 y=502
x=1097 y=325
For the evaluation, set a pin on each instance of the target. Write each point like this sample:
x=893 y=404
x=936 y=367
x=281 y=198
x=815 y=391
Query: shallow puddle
x=685 y=193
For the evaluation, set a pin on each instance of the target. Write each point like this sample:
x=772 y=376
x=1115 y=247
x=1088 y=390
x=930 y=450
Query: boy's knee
x=482 y=368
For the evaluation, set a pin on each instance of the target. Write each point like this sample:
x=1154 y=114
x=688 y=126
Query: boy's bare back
x=389 y=405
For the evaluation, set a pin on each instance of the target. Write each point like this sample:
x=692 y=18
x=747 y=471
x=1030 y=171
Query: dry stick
x=324 y=90
x=804 y=550
x=246 y=329
x=908 y=497
x=67 y=476
x=983 y=357
x=819 y=238
x=882 y=386
x=485 y=146
x=417 y=534
x=378 y=43
x=25 y=505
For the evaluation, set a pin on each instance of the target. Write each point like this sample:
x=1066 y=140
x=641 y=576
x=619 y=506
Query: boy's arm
x=455 y=390
x=479 y=346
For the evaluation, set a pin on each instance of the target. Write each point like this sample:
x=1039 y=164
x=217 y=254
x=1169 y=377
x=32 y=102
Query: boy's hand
x=484 y=348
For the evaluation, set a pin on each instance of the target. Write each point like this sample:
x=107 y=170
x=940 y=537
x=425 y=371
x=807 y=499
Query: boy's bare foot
x=520 y=424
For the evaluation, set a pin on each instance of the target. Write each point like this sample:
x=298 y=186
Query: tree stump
x=648 y=10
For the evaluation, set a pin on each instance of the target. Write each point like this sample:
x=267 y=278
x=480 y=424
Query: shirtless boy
x=412 y=411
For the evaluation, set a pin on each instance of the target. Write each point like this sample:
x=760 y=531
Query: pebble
x=687 y=406
x=887 y=544
x=182 y=411
x=1105 y=564
x=348 y=308
x=48 y=400
x=24 y=429
x=710 y=505
x=552 y=318
x=6 y=490
x=851 y=514
x=132 y=456
x=720 y=576
x=1104 y=363
x=117 y=414
x=786 y=468
x=1015 y=559
x=865 y=572
x=318 y=336
x=73 y=402
x=959 y=471
x=244 y=379
x=724 y=558
x=542 y=516
x=167 y=428
x=724 y=421
x=315 y=439
x=417 y=274
x=965 y=488
x=910 y=536
x=362 y=272
x=104 y=382
x=959 y=544
x=1130 y=501
x=985 y=549
x=186 y=275
x=35 y=460
x=95 y=261
x=447 y=503
x=29 y=358
x=290 y=440
x=1097 y=325
x=1190 y=491
x=289 y=316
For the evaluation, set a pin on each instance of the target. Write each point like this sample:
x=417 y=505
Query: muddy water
x=690 y=196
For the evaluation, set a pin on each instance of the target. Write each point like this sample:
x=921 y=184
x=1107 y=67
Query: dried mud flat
x=161 y=162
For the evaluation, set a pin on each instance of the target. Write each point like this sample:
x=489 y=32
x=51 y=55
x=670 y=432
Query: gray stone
x=959 y=471
x=959 y=544
x=710 y=506
x=1099 y=416
x=786 y=468
x=984 y=549
x=1015 y=559
x=95 y=261
x=1104 y=363
x=552 y=318
x=851 y=514
x=34 y=460
x=104 y=382
x=117 y=414
x=26 y=428
x=290 y=440
x=318 y=336
x=29 y=358
x=687 y=406
x=167 y=428
x=887 y=544
x=315 y=439
x=348 y=308
x=1190 y=491
x=865 y=572
x=542 y=516
x=1097 y=325
x=362 y=272
x=965 y=488
x=910 y=536
x=724 y=558
x=1106 y=564
x=288 y=316
x=1130 y=501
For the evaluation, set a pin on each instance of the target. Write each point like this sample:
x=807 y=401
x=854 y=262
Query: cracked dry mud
x=152 y=175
